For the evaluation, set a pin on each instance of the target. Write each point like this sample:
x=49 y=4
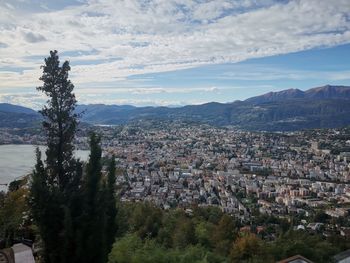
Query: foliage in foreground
x=14 y=212
x=149 y=234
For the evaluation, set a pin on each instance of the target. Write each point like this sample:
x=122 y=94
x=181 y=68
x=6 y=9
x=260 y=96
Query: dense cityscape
x=176 y=164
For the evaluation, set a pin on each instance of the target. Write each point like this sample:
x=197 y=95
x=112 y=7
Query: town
x=176 y=164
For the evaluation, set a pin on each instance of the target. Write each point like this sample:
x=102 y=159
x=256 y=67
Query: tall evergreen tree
x=111 y=208
x=74 y=208
x=97 y=222
x=93 y=219
x=54 y=185
x=60 y=120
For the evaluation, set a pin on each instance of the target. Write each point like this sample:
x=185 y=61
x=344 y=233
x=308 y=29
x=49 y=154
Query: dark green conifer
x=92 y=221
x=53 y=185
x=72 y=209
x=111 y=205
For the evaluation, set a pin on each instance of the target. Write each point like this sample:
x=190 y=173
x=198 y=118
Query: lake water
x=18 y=160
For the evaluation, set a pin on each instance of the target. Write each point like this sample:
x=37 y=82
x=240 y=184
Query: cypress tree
x=74 y=208
x=60 y=121
x=111 y=209
x=98 y=221
x=92 y=221
x=54 y=185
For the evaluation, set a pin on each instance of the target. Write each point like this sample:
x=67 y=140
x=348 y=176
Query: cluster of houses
x=176 y=164
x=183 y=165
x=288 y=175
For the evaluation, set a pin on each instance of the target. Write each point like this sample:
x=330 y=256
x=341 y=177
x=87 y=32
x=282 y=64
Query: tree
x=146 y=220
x=313 y=247
x=54 y=187
x=223 y=234
x=249 y=248
x=93 y=219
x=60 y=121
x=111 y=205
x=184 y=233
x=203 y=233
x=14 y=216
x=321 y=217
x=70 y=206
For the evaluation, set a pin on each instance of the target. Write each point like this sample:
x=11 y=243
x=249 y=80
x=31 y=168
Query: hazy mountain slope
x=287 y=110
x=325 y=92
x=293 y=114
x=14 y=116
x=100 y=113
x=328 y=92
x=277 y=96
x=293 y=109
x=6 y=107
x=18 y=120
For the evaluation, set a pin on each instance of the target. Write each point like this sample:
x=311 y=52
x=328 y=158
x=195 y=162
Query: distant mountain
x=325 y=92
x=102 y=113
x=292 y=114
x=287 y=110
x=15 y=116
x=6 y=107
x=277 y=96
x=328 y=92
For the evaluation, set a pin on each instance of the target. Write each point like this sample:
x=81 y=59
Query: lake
x=17 y=160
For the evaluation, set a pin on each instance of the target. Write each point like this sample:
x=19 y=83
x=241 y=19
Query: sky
x=173 y=52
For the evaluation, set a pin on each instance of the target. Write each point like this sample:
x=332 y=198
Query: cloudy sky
x=174 y=52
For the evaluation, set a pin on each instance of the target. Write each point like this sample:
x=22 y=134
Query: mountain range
x=286 y=110
x=14 y=116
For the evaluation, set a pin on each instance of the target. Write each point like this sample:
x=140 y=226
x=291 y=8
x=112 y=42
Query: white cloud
x=26 y=78
x=157 y=90
x=113 y=40
x=95 y=99
x=31 y=100
x=33 y=38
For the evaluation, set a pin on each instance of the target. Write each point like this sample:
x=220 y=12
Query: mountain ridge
x=323 y=92
x=7 y=107
x=15 y=116
x=292 y=109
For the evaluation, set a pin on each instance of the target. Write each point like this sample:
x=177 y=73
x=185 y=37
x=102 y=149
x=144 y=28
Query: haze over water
x=19 y=160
